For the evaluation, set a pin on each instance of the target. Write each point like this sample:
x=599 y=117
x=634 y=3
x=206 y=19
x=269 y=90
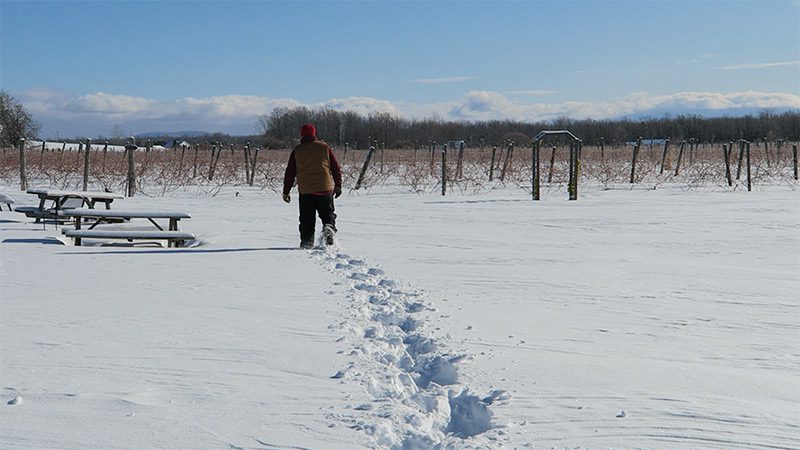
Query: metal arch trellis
x=574 y=162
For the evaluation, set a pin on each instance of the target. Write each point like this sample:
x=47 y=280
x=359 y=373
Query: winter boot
x=328 y=232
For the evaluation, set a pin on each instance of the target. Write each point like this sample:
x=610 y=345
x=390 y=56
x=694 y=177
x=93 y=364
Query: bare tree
x=15 y=121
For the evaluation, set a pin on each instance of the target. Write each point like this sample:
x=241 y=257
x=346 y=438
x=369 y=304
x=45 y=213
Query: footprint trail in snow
x=412 y=378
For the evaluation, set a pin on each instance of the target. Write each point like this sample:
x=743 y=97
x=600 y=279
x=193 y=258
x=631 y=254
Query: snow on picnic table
x=627 y=319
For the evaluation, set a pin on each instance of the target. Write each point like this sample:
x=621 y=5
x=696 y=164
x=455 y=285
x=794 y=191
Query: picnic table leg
x=42 y=200
x=77 y=227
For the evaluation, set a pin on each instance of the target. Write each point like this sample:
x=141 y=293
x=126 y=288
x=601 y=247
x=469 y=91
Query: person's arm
x=336 y=170
x=291 y=172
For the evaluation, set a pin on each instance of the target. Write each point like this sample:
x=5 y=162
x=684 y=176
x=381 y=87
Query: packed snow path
x=411 y=376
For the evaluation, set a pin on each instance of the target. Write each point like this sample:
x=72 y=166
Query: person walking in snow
x=319 y=181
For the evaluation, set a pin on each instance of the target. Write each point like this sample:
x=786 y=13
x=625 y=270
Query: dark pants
x=310 y=206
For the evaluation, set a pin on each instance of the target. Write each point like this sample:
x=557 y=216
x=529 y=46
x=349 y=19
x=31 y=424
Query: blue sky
x=102 y=68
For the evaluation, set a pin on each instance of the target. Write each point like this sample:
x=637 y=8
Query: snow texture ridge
x=418 y=401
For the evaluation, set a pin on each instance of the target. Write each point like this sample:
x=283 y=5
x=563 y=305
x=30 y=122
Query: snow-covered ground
x=640 y=318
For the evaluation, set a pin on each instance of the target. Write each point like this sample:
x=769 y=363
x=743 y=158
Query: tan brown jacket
x=316 y=169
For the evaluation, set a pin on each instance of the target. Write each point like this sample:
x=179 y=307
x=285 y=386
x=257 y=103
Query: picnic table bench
x=7 y=200
x=63 y=200
x=172 y=234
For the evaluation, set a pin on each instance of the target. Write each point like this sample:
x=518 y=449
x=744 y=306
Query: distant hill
x=156 y=134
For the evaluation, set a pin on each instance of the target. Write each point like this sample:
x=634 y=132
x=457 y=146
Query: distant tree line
x=280 y=129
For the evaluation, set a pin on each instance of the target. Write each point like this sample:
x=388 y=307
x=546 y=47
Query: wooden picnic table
x=172 y=234
x=63 y=200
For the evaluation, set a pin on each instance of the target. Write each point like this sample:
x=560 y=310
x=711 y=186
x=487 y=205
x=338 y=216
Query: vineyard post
x=433 y=153
x=794 y=156
x=766 y=152
x=44 y=144
x=247 y=162
x=23 y=169
x=572 y=188
x=86 y=164
x=633 y=161
x=194 y=161
x=78 y=155
x=664 y=156
x=749 y=182
x=602 y=147
x=491 y=165
x=535 y=182
x=444 y=169
x=692 y=145
x=726 y=154
x=364 y=168
x=739 y=164
x=552 y=164
x=460 y=164
x=253 y=166
x=215 y=152
x=130 y=147
x=180 y=162
x=680 y=157
x=507 y=161
x=105 y=152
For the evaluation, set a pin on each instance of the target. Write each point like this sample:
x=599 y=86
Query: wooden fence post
x=130 y=147
x=86 y=164
x=535 y=182
x=664 y=156
x=364 y=168
x=44 y=144
x=23 y=166
x=794 y=155
x=680 y=157
x=726 y=154
x=633 y=161
x=444 y=169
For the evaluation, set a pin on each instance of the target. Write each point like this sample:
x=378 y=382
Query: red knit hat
x=308 y=130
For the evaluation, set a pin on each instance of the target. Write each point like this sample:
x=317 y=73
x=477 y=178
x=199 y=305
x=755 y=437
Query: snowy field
x=656 y=319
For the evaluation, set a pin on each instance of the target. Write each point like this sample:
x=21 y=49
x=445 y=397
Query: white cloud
x=534 y=92
x=761 y=65
x=485 y=105
x=103 y=103
x=361 y=105
x=442 y=80
x=99 y=113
